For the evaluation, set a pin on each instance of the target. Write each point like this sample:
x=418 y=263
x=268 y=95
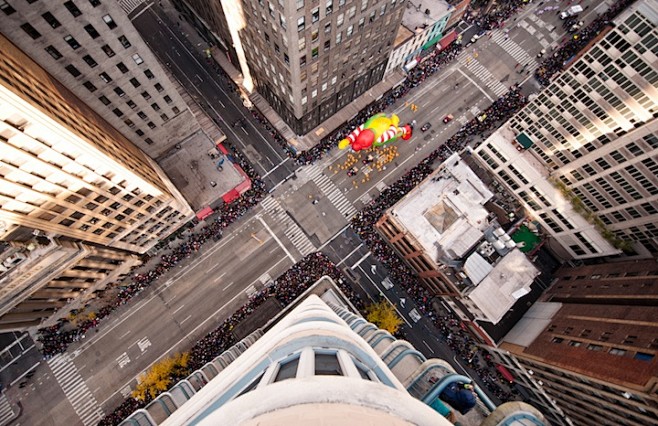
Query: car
x=415 y=316
x=448 y=118
x=426 y=127
x=475 y=38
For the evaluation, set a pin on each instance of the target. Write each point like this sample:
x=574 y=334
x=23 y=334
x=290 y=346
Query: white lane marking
x=285 y=250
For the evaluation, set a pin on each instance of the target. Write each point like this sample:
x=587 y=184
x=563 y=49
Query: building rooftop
x=503 y=284
x=420 y=14
x=446 y=213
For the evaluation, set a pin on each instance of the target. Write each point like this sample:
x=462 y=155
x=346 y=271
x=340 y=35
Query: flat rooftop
x=415 y=15
x=507 y=282
x=195 y=173
x=446 y=212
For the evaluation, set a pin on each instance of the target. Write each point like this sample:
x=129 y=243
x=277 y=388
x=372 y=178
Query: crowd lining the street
x=285 y=289
x=56 y=338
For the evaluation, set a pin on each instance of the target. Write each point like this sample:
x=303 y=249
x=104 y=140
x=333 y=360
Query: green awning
x=524 y=140
x=432 y=42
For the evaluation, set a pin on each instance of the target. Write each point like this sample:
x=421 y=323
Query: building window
x=329 y=6
x=92 y=31
x=148 y=141
x=301 y=23
x=94 y=3
x=131 y=104
x=73 y=70
x=90 y=86
x=302 y=60
x=138 y=59
x=164 y=117
x=315 y=15
x=120 y=93
x=7 y=9
x=593 y=347
x=155 y=106
x=175 y=110
x=149 y=74
x=117 y=112
x=108 y=50
x=53 y=52
x=72 y=8
x=314 y=52
x=122 y=67
x=109 y=21
x=146 y=95
x=617 y=351
x=167 y=99
x=287 y=369
x=300 y=4
x=124 y=41
x=105 y=77
x=642 y=356
x=557 y=340
x=327 y=365
x=31 y=31
x=129 y=123
x=52 y=21
x=139 y=132
x=90 y=61
x=104 y=99
x=158 y=87
x=151 y=125
x=142 y=115
x=135 y=82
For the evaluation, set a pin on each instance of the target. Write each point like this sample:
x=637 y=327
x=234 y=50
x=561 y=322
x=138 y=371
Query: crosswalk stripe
x=6 y=411
x=292 y=231
x=331 y=191
x=484 y=75
x=76 y=390
x=514 y=50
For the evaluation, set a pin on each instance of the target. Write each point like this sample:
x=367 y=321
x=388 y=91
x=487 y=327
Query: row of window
x=69 y=5
x=71 y=41
x=642 y=356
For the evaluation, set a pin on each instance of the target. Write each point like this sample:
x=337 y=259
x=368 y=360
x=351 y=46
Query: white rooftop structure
x=446 y=213
x=500 y=286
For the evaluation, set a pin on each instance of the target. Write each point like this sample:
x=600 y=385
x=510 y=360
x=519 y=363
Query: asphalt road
x=211 y=91
x=191 y=300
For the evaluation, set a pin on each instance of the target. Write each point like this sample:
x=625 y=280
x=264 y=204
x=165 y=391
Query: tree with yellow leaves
x=160 y=376
x=384 y=316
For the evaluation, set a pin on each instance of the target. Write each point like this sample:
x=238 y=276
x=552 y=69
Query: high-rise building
x=40 y=275
x=323 y=363
x=588 y=351
x=76 y=196
x=311 y=58
x=583 y=154
x=65 y=171
x=93 y=49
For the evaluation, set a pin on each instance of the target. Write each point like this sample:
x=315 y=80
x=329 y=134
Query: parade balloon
x=378 y=130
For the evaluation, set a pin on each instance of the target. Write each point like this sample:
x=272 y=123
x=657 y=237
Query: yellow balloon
x=343 y=143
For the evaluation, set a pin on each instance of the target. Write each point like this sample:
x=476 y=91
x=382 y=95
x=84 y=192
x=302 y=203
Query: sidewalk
x=305 y=142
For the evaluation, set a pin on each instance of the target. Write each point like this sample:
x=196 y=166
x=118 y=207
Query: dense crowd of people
x=563 y=55
x=56 y=338
x=285 y=289
x=297 y=279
